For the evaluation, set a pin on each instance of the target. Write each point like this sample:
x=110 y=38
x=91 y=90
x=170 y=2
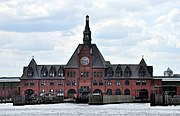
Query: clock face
x=84 y=60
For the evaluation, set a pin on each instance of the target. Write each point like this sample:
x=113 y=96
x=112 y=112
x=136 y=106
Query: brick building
x=88 y=72
x=9 y=87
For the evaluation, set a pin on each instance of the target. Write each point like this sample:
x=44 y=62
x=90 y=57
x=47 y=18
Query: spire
x=32 y=62
x=142 y=62
x=87 y=33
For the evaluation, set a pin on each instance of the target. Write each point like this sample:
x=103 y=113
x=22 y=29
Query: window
x=126 y=82
x=32 y=83
x=95 y=74
x=98 y=74
x=84 y=74
x=30 y=72
x=100 y=82
x=51 y=83
x=51 y=92
x=118 y=92
x=109 y=91
x=118 y=72
x=109 y=82
x=74 y=74
x=60 y=83
x=109 y=72
x=127 y=92
x=61 y=72
x=68 y=74
x=141 y=72
x=68 y=83
x=44 y=72
x=74 y=82
x=84 y=89
x=138 y=83
x=101 y=74
x=127 y=72
x=118 y=82
x=143 y=82
x=26 y=83
x=43 y=92
x=95 y=82
x=60 y=93
x=43 y=83
x=52 y=72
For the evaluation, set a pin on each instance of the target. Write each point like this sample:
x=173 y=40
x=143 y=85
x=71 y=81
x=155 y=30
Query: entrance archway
x=71 y=93
x=109 y=91
x=29 y=92
x=126 y=92
x=97 y=91
x=118 y=92
x=143 y=94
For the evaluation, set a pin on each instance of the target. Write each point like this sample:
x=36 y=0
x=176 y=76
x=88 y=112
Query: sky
x=124 y=31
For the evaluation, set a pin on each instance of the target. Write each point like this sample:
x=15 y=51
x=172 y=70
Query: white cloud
x=123 y=31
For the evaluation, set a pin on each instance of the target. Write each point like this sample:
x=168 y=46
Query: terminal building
x=9 y=87
x=87 y=72
x=170 y=82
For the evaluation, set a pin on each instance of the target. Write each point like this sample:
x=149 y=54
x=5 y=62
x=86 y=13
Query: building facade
x=170 y=82
x=9 y=87
x=87 y=72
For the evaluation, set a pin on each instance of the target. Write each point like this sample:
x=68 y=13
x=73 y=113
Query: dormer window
x=109 y=72
x=30 y=72
x=118 y=72
x=61 y=72
x=52 y=72
x=127 y=72
x=141 y=72
x=44 y=72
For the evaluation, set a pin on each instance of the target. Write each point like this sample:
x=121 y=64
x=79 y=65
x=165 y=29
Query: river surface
x=72 y=109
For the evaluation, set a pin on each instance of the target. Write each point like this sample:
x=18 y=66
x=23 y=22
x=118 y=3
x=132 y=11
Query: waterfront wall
x=105 y=99
x=118 y=99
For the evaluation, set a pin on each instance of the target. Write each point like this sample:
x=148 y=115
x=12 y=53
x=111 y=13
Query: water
x=70 y=109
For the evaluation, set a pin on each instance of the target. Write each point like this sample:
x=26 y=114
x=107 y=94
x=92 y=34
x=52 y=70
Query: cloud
x=123 y=31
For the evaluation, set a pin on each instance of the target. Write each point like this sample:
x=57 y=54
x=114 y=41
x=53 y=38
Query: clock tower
x=85 y=63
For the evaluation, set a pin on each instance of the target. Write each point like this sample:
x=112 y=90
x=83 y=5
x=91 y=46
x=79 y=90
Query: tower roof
x=87 y=33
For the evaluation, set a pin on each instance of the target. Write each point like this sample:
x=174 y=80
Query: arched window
x=52 y=72
x=30 y=72
x=60 y=93
x=109 y=72
x=126 y=82
x=61 y=72
x=118 y=92
x=97 y=91
x=127 y=92
x=118 y=72
x=141 y=72
x=127 y=72
x=118 y=83
x=43 y=92
x=44 y=72
x=51 y=92
x=109 y=82
x=74 y=82
x=109 y=91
